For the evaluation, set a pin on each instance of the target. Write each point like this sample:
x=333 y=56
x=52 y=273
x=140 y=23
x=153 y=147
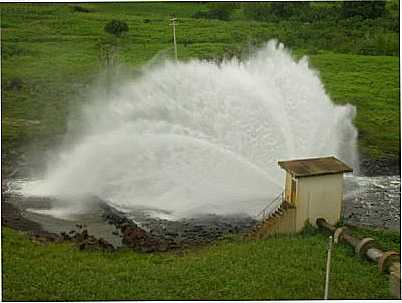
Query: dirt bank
x=107 y=228
x=386 y=166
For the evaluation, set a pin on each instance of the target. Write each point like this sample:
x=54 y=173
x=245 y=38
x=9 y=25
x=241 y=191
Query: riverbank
x=384 y=166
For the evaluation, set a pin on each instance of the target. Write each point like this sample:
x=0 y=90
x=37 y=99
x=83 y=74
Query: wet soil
x=386 y=166
x=146 y=233
x=16 y=218
x=11 y=217
x=108 y=229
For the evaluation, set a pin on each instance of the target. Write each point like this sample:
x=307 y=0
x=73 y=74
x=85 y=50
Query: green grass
x=371 y=83
x=385 y=239
x=286 y=267
x=53 y=51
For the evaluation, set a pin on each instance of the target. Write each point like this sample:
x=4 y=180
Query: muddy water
x=96 y=220
x=37 y=210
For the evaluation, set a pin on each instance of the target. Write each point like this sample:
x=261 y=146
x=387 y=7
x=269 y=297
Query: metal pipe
x=351 y=240
x=388 y=262
x=321 y=222
x=374 y=254
x=365 y=247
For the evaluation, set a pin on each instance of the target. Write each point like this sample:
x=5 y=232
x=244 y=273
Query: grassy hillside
x=279 y=268
x=52 y=52
x=371 y=83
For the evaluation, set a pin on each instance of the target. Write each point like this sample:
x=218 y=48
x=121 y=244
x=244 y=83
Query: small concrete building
x=314 y=187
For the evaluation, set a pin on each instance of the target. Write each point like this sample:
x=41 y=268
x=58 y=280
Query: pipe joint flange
x=363 y=246
x=338 y=234
x=387 y=259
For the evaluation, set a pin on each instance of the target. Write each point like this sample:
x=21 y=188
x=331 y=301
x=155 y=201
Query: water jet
x=195 y=138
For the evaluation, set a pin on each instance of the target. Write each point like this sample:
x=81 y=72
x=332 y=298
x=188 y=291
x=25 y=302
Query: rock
x=45 y=237
x=372 y=201
x=386 y=166
x=137 y=238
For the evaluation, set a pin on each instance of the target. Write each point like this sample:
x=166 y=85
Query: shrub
x=14 y=84
x=80 y=9
x=281 y=10
x=365 y=9
x=276 y=11
x=257 y=11
x=116 y=27
x=220 y=11
x=200 y=15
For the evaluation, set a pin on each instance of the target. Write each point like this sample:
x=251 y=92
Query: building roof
x=315 y=167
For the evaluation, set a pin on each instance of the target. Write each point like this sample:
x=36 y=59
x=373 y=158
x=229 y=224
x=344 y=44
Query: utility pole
x=173 y=20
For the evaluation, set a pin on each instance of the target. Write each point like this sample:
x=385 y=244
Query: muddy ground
x=387 y=166
x=108 y=229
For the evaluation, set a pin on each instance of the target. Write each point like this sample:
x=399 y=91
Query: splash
x=199 y=137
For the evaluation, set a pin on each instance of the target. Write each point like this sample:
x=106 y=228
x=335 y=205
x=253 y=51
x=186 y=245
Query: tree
x=274 y=11
x=220 y=11
x=116 y=27
x=365 y=9
x=257 y=11
x=281 y=9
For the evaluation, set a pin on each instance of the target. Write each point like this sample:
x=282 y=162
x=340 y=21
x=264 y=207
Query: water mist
x=195 y=137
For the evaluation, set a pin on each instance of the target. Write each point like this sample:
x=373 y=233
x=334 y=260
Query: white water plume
x=197 y=137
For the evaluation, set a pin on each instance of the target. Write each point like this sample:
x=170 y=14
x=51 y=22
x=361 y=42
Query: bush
x=14 y=84
x=200 y=15
x=365 y=9
x=80 y=9
x=325 y=13
x=257 y=11
x=220 y=11
x=276 y=11
x=116 y=27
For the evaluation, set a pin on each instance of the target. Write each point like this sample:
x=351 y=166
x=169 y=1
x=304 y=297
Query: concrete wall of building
x=318 y=196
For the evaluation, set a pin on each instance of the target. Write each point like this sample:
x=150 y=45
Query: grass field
x=50 y=55
x=286 y=267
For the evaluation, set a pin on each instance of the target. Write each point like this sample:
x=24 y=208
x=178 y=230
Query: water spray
x=197 y=137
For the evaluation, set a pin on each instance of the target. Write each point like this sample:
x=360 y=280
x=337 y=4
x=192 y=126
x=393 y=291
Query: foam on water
x=197 y=137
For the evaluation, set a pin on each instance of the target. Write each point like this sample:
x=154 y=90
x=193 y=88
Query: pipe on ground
x=388 y=262
x=365 y=248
